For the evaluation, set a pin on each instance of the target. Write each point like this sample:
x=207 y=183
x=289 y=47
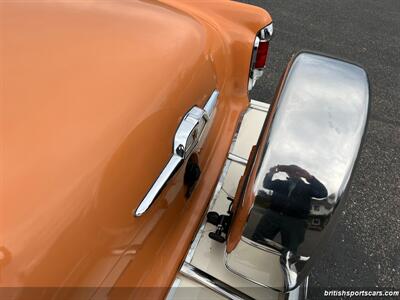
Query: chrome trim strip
x=244 y=276
x=211 y=103
x=186 y=139
x=257 y=105
x=172 y=290
x=290 y=276
x=265 y=34
x=237 y=158
x=172 y=166
x=195 y=243
x=304 y=286
x=300 y=293
x=273 y=250
x=212 y=283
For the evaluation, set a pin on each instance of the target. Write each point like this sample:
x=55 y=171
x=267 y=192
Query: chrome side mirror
x=293 y=191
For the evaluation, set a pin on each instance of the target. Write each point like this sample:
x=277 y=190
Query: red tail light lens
x=262 y=53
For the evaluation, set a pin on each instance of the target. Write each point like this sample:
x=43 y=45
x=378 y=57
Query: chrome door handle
x=187 y=136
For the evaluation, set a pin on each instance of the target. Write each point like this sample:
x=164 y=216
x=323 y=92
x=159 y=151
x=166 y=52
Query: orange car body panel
x=92 y=93
x=244 y=196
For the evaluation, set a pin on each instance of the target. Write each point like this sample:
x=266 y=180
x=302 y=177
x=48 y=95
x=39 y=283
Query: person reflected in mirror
x=289 y=204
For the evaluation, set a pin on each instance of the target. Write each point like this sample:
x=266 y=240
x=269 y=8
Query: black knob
x=217 y=236
x=213 y=218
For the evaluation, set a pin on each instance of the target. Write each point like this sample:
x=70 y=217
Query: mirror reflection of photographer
x=289 y=204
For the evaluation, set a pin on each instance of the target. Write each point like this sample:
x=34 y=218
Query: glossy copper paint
x=244 y=197
x=91 y=97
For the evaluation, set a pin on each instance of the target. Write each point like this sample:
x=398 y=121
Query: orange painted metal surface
x=92 y=93
x=244 y=196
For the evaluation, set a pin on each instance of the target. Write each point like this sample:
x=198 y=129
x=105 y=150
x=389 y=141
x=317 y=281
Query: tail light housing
x=260 y=53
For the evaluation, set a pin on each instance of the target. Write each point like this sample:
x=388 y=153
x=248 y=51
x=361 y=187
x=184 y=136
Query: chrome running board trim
x=212 y=283
x=258 y=105
x=237 y=158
